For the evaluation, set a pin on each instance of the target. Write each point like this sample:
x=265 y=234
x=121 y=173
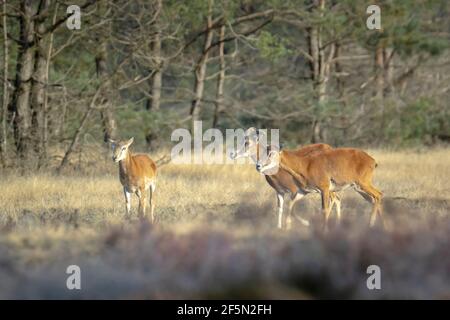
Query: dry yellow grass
x=45 y=218
x=414 y=175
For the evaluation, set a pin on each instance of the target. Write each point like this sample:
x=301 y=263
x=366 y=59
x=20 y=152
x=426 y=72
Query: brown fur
x=283 y=182
x=137 y=174
x=135 y=169
x=342 y=166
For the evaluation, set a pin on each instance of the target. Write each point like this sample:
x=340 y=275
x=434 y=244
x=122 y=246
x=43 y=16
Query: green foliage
x=272 y=47
x=193 y=12
x=416 y=122
x=191 y=15
x=270 y=82
x=408 y=28
x=140 y=123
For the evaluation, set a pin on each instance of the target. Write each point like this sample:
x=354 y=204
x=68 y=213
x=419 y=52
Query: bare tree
x=20 y=105
x=379 y=72
x=101 y=60
x=77 y=135
x=200 y=69
x=45 y=133
x=154 y=102
x=40 y=77
x=5 y=100
x=220 y=79
x=320 y=57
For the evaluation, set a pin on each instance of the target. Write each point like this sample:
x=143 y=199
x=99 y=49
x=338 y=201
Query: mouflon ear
x=129 y=142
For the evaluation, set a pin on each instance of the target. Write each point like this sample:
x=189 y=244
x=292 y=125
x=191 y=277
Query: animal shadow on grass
x=248 y=211
x=398 y=212
x=416 y=212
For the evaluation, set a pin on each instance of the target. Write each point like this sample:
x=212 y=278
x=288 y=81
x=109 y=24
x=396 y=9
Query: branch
x=243 y=34
x=219 y=22
x=76 y=137
x=53 y=27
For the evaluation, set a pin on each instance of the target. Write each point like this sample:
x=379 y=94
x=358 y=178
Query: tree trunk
x=200 y=70
x=39 y=81
x=20 y=105
x=319 y=68
x=316 y=132
x=388 y=59
x=379 y=73
x=44 y=133
x=106 y=109
x=321 y=81
x=383 y=78
x=156 y=80
x=3 y=144
x=340 y=84
x=106 y=113
x=314 y=53
x=220 y=79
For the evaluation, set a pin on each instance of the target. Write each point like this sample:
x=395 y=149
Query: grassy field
x=216 y=235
